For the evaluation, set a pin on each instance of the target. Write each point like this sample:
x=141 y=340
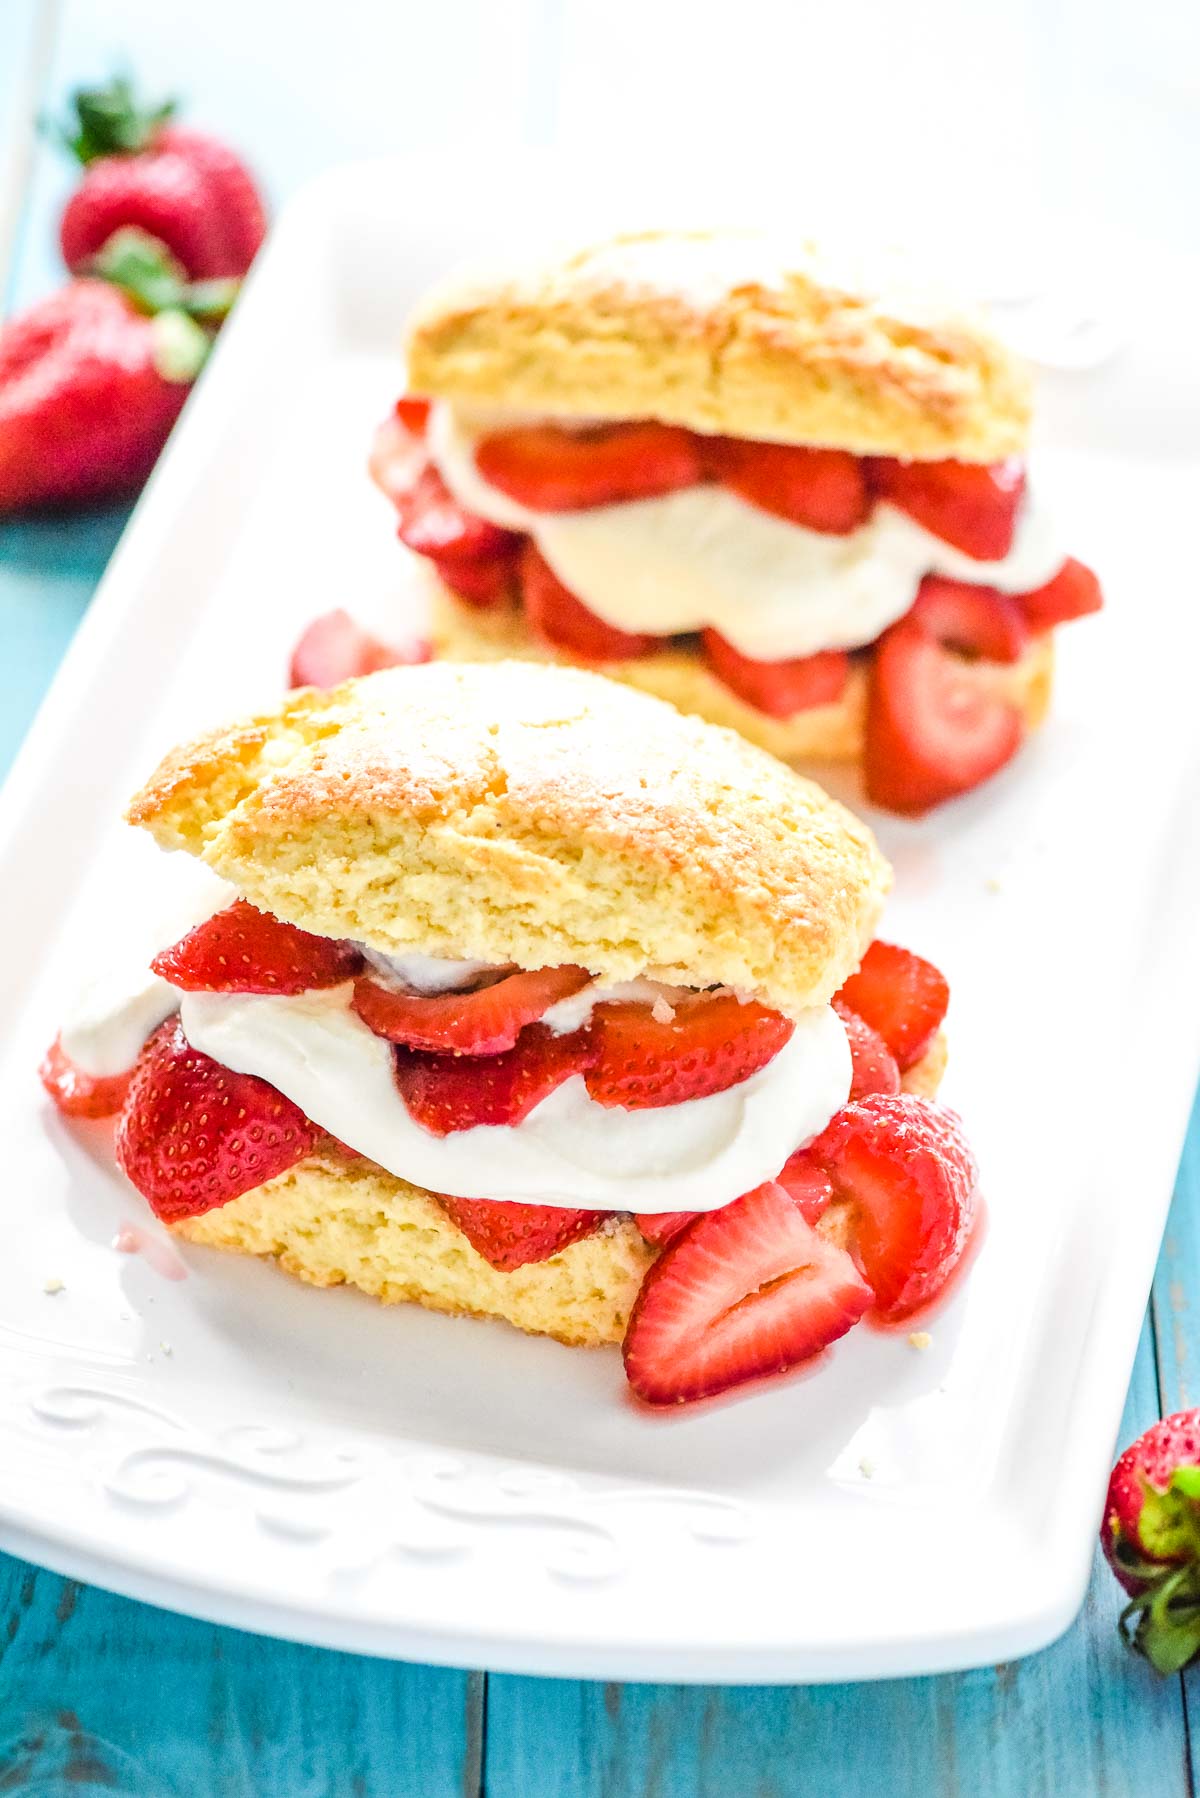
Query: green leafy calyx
x=110 y=121
x=1162 y=1622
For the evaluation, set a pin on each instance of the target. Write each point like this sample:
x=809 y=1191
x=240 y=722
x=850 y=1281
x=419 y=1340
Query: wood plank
x=145 y=1703
x=1176 y=1299
x=49 y=568
x=1176 y=1309
x=1081 y=1717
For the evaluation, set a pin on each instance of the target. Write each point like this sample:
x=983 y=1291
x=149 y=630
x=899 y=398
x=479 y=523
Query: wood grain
x=1175 y=1308
x=96 y=1691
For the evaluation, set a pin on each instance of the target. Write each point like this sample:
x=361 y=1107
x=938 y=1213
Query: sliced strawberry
x=566 y=622
x=778 y=688
x=905 y=1165
x=80 y=1095
x=480 y=581
x=395 y=459
x=511 y=1236
x=806 y=1185
x=898 y=995
x=875 y=1069
x=663 y=1226
x=746 y=1291
x=194 y=1135
x=244 y=950
x=552 y=469
x=334 y=648
x=1073 y=593
x=710 y=1044
x=972 y=505
x=445 y=1093
x=975 y=621
x=413 y=414
x=484 y=1022
x=822 y=489
x=932 y=731
x=432 y=523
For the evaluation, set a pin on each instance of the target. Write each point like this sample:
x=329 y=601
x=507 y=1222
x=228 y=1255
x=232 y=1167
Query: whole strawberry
x=1151 y=1538
x=185 y=188
x=93 y=378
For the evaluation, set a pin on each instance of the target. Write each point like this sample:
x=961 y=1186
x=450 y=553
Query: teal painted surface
x=98 y=1694
x=49 y=568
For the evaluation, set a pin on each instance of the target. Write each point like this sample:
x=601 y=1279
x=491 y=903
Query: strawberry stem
x=1163 y=1621
x=180 y=346
x=109 y=121
x=144 y=269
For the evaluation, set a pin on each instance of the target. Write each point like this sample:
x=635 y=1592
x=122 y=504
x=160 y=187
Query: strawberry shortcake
x=788 y=498
x=532 y=998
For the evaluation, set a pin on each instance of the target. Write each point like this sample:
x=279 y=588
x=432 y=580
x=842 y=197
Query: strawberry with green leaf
x=1151 y=1538
x=93 y=378
x=184 y=188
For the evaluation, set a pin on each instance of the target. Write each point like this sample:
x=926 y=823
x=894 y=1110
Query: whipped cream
x=106 y=1026
x=569 y=1151
x=703 y=557
x=574 y=1012
x=427 y=973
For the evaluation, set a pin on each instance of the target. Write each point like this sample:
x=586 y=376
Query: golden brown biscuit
x=338 y=1220
x=334 y=1221
x=726 y=332
x=513 y=812
x=824 y=733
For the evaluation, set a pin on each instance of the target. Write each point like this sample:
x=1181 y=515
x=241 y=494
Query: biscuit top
x=727 y=332
x=540 y=815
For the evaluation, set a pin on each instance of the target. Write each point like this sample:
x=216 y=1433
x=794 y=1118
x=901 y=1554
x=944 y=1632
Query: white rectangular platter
x=309 y=1464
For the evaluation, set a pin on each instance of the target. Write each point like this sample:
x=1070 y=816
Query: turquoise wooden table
x=101 y=1695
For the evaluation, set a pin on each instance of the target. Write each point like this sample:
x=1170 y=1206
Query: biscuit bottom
x=338 y=1220
x=823 y=733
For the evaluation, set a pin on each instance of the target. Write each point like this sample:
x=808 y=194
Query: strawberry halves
x=708 y=1044
x=512 y=1236
x=969 y=504
x=932 y=730
x=334 y=648
x=244 y=950
x=561 y=619
x=194 y=1134
x=551 y=469
x=80 y=1095
x=906 y=1168
x=822 y=489
x=743 y=1292
x=778 y=688
x=900 y=996
x=484 y=1022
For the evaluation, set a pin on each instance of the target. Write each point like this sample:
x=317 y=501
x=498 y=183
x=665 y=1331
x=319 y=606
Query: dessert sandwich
x=784 y=497
x=532 y=998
